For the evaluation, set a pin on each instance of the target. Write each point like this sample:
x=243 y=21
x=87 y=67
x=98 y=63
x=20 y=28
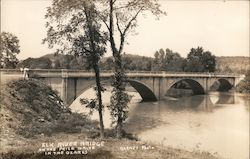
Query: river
x=217 y=123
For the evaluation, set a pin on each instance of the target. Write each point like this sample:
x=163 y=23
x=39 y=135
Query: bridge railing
x=70 y=71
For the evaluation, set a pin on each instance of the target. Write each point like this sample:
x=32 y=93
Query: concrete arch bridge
x=152 y=86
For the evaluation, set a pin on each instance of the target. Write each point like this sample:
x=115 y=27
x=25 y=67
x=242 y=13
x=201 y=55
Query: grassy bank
x=111 y=149
x=32 y=114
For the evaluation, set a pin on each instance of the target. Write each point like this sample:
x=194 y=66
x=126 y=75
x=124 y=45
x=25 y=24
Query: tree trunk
x=99 y=97
x=119 y=128
x=95 y=60
x=121 y=87
x=119 y=72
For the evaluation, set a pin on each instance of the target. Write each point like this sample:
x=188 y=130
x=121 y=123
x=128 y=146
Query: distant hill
x=54 y=61
x=226 y=64
x=54 y=56
x=236 y=64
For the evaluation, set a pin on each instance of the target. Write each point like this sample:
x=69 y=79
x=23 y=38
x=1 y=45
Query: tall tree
x=74 y=25
x=174 y=61
x=200 y=61
x=120 y=18
x=9 y=48
x=168 y=61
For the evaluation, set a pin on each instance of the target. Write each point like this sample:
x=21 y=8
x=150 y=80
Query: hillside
x=237 y=64
x=30 y=108
x=226 y=64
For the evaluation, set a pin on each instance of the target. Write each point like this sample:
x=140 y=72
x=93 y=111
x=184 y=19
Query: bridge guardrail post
x=65 y=73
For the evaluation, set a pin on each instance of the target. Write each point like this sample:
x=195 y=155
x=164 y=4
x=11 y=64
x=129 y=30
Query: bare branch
x=86 y=50
x=123 y=34
x=129 y=4
x=111 y=29
x=132 y=19
x=105 y=23
x=118 y=26
x=114 y=2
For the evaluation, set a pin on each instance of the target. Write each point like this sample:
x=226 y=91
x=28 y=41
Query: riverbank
x=105 y=149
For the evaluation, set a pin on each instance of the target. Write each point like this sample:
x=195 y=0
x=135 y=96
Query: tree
x=200 y=61
x=120 y=18
x=9 y=48
x=244 y=85
x=36 y=63
x=66 y=61
x=74 y=25
x=57 y=64
x=156 y=63
x=168 y=61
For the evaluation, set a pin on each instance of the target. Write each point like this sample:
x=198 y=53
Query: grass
x=112 y=149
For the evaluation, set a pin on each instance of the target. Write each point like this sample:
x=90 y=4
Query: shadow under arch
x=221 y=85
x=195 y=86
x=145 y=92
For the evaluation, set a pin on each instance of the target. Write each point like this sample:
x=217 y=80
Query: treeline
x=197 y=60
x=54 y=61
x=164 y=60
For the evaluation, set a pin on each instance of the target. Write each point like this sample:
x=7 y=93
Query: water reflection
x=218 y=122
x=245 y=101
x=225 y=98
x=151 y=113
x=192 y=103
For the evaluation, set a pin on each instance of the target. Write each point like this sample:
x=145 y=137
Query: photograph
x=124 y=79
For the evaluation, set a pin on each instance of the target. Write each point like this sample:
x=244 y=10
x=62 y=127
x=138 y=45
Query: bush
x=244 y=85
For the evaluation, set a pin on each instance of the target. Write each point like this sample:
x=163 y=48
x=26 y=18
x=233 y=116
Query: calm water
x=217 y=123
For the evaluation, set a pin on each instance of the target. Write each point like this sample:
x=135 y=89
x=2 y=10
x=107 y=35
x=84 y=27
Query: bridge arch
x=145 y=92
x=194 y=85
x=221 y=84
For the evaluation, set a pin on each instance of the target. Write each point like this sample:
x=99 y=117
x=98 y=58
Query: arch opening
x=221 y=85
x=144 y=91
x=185 y=87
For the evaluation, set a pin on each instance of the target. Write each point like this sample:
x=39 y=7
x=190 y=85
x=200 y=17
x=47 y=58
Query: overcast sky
x=221 y=27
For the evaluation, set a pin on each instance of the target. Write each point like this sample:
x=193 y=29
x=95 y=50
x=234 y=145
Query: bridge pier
x=64 y=93
x=64 y=89
x=162 y=88
x=69 y=88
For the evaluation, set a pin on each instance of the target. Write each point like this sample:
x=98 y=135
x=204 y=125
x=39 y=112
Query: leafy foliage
x=119 y=105
x=36 y=63
x=244 y=85
x=9 y=48
x=78 y=32
x=92 y=104
x=75 y=35
x=168 y=61
x=200 y=61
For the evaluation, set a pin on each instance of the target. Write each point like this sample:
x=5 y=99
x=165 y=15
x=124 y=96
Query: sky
x=221 y=27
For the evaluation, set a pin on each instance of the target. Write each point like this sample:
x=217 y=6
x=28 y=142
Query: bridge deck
x=81 y=73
